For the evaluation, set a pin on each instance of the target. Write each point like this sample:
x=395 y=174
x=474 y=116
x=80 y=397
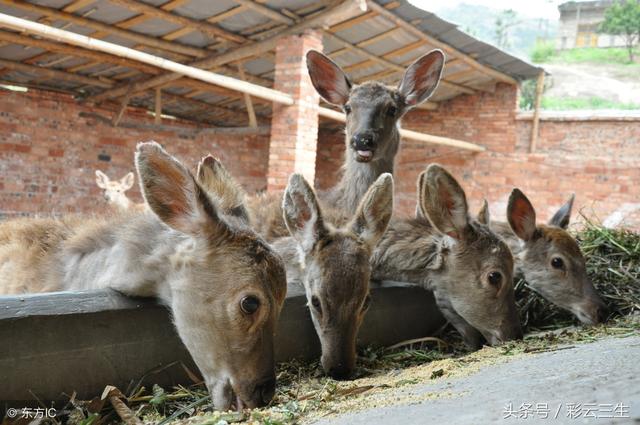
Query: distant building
x=579 y=21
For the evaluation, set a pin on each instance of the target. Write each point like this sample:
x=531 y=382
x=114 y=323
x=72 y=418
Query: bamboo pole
x=536 y=112
x=412 y=135
x=114 y=49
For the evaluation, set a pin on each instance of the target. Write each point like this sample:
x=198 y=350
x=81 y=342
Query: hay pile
x=613 y=265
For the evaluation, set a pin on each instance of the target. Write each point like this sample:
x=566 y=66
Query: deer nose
x=266 y=390
x=340 y=372
x=601 y=313
x=363 y=140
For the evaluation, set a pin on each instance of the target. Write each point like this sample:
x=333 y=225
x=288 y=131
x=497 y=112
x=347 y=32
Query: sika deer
x=466 y=265
x=114 y=191
x=333 y=263
x=224 y=285
x=550 y=260
x=373 y=113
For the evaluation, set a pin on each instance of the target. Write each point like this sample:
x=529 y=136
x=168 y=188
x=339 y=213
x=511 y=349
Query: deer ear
x=521 y=215
x=562 y=217
x=302 y=213
x=173 y=194
x=443 y=201
x=484 y=216
x=374 y=212
x=421 y=78
x=328 y=78
x=217 y=181
x=101 y=179
x=127 y=181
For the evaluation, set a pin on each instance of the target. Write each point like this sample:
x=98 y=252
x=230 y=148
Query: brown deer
x=373 y=113
x=549 y=258
x=114 y=190
x=466 y=265
x=332 y=262
x=224 y=285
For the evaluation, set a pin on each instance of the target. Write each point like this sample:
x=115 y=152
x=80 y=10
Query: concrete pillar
x=294 y=129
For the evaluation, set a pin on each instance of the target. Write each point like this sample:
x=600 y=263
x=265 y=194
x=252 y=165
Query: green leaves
x=623 y=18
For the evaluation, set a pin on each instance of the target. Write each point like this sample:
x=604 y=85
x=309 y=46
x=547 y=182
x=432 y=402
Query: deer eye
x=495 y=278
x=557 y=263
x=367 y=303
x=249 y=304
x=392 y=111
x=347 y=109
x=315 y=302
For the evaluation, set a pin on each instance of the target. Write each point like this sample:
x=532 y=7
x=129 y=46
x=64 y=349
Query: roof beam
x=201 y=26
x=54 y=74
x=340 y=12
x=265 y=11
x=439 y=44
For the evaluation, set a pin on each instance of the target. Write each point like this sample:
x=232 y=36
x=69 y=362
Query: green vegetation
x=565 y=104
x=543 y=51
x=623 y=19
x=546 y=53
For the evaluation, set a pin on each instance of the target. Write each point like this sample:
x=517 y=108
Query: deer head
x=335 y=265
x=372 y=109
x=474 y=286
x=551 y=261
x=114 y=191
x=227 y=286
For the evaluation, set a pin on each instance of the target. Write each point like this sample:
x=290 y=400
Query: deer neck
x=357 y=177
x=410 y=251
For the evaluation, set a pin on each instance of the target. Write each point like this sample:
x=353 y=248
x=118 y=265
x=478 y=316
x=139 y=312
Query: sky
x=530 y=8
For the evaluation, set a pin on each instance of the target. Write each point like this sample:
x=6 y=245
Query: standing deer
x=332 y=262
x=466 y=265
x=114 y=190
x=549 y=258
x=225 y=287
x=373 y=113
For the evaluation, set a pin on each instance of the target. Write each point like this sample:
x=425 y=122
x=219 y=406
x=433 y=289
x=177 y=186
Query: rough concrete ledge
x=58 y=343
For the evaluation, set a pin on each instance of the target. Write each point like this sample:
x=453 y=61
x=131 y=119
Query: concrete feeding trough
x=56 y=344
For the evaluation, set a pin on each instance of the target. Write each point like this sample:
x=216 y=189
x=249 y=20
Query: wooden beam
x=77 y=4
x=123 y=107
x=265 y=11
x=201 y=26
x=340 y=12
x=158 y=107
x=108 y=29
x=75 y=51
x=247 y=100
x=536 y=112
x=114 y=49
x=53 y=73
x=395 y=19
x=412 y=135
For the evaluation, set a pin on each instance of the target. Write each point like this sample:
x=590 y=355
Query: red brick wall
x=48 y=153
x=598 y=160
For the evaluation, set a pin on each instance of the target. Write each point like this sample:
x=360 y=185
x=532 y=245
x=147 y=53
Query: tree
x=503 y=23
x=623 y=18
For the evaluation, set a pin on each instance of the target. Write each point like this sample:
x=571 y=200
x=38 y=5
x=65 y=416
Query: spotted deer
x=549 y=258
x=332 y=261
x=466 y=265
x=224 y=285
x=373 y=113
x=114 y=191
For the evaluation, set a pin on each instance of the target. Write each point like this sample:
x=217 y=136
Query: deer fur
x=114 y=191
x=466 y=265
x=224 y=285
x=331 y=261
x=549 y=258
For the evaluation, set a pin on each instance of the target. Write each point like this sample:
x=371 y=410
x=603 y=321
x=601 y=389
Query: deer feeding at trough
x=466 y=265
x=331 y=261
x=549 y=258
x=224 y=285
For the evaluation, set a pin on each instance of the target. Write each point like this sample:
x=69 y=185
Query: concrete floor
x=590 y=383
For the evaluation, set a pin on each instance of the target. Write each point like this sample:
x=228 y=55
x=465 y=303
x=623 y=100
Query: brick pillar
x=294 y=129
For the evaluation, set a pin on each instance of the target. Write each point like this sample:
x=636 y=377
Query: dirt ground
x=611 y=82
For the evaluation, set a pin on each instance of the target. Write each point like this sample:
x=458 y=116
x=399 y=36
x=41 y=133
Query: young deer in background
x=550 y=260
x=373 y=112
x=224 y=285
x=333 y=263
x=114 y=190
x=466 y=265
